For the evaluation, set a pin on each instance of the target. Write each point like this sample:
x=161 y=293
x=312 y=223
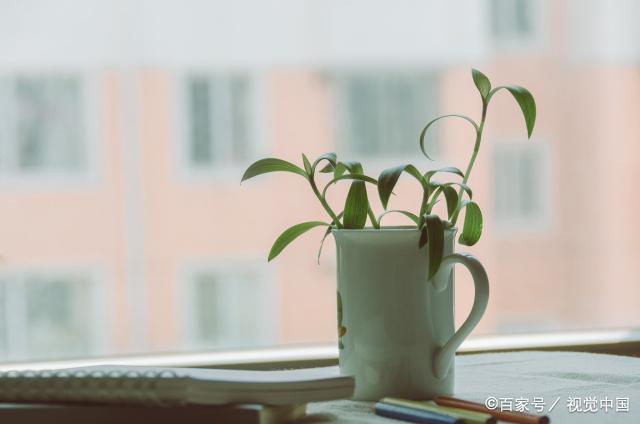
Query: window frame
x=184 y=291
x=181 y=142
x=91 y=113
x=99 y=296
x=376 y=163
x=531 y=44
x=521 y=225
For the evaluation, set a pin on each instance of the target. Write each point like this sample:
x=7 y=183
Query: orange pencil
x=512 y=417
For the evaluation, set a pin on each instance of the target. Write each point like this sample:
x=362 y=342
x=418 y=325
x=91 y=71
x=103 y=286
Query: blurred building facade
x=125 y=129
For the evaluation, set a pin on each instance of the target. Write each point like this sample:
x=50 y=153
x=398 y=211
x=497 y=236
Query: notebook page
x=309 y=376
x=216 y=386
x=94 y=384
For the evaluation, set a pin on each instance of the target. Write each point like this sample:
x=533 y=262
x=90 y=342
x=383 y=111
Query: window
x=47 y=316
x=514 y=22
x=383 y=115
x=520 y=175
x=191 y=92
x=221 y=121
x=42 y=130
x=229 y=307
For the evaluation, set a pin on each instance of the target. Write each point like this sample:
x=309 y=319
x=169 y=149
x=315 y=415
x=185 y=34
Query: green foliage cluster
x=457 y=195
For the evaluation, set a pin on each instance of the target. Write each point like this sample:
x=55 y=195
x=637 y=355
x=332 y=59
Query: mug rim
x=389 y=229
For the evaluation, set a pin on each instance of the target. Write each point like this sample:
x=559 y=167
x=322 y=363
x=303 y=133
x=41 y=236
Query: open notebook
x=174 y=386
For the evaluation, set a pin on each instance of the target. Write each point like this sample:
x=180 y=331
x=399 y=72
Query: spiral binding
x=131 y=387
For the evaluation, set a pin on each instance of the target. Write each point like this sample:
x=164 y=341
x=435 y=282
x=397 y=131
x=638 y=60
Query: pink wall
x=579 y=271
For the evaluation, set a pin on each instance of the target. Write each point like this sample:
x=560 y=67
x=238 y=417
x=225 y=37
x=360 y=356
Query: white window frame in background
x=518 y=225
x=223 y=171
x=531 y=42
x=613 y=341
x=89 y=118
x=14 y=281
x=378 y=161
x=266 y=289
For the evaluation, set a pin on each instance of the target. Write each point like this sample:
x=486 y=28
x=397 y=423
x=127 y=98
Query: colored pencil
x=469 y=417
x=413 y=415
x=508 y=416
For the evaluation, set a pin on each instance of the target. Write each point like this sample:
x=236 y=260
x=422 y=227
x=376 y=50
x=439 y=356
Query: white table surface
x=527 y=375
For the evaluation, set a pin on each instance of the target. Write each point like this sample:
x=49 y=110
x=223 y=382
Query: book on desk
x=65 y=413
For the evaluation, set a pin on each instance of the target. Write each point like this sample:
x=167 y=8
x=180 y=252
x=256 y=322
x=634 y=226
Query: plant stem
x=324 y=203
x=372 y=217
x=423 y=207
x=476 y=149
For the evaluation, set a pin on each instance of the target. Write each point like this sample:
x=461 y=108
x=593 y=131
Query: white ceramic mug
x=396 y=329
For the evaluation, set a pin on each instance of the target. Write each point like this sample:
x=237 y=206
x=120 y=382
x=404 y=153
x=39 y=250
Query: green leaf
x=424 y=130
x=408 y=214
x=290 y=234
x=482 y=82
x=389 y=177
x=525 y=101
x=307 y=165
x=264 y=166
x=435 y=246
x=424 y=237
x=326 y=234
x=434 y=185
x=472 y=229
x=449 y=169
x=324 y=237
x=330 y=157
x=372 y=218
x=431 y=205
x=358 y=177
x=340 y=169
x=353 y=167
x=356 y=206
x=451 y=196
x=464 y=187
x=327 y=168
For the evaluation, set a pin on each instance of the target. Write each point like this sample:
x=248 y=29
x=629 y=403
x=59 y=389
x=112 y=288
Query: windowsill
x=620 y=342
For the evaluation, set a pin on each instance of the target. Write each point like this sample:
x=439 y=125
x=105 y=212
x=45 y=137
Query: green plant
x=457 y=195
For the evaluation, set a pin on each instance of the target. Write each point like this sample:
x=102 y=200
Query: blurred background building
x=125 y=128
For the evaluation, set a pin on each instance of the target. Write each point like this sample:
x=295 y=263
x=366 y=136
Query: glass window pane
x=518 y=180
x=222 y=120
x=241 y=118
x=31 y=123
x=363 y=119
x=385 y=113
x=208 y=311
x=401 y=107
x=512 y=20
x=57 y=321
x=201 y=146
x=49 y=125
x=528 y=187
x=231 y=309
x=522 y=17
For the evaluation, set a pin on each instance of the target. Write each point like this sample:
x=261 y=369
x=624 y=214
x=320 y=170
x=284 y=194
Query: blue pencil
x=414 y=415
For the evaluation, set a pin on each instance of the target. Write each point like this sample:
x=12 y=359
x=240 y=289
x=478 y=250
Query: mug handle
x=444 y=355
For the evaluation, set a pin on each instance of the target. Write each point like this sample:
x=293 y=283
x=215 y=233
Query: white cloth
x=561 y=376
